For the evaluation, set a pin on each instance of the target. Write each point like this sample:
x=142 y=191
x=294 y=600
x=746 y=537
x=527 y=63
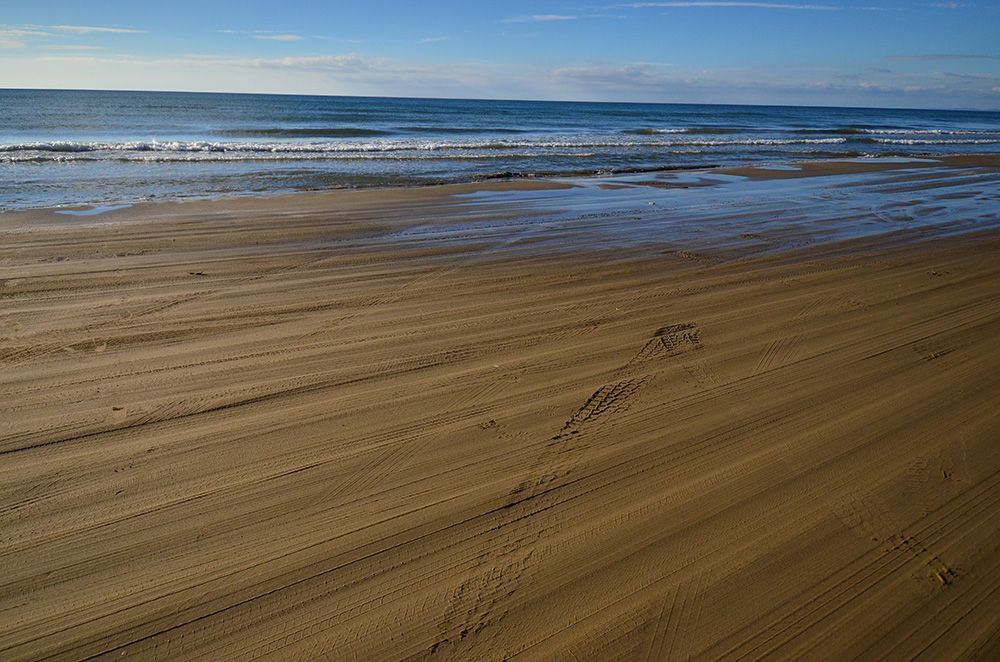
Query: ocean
x=64 y=147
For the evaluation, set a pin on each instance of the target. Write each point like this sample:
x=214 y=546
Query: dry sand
x=547 y=423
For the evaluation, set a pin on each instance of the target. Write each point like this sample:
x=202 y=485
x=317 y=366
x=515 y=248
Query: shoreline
x=530 y=421
x=607 y=213
x=514 y=181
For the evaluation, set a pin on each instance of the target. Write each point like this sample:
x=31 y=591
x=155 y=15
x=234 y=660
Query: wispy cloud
x=278 y=37
x=948 y=5
x=644 y=81
x=432 y=40
x=746 y=5
x=267 y=35
x=14 y=37
x=343 y=64
x=73 y=47
x=18 y=36
x=538 y=18
x=330 y=64
x=90 y=29
x=23 y=32
x=876 y=87
x=942 y=57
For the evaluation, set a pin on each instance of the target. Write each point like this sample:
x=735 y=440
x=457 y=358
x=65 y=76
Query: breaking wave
x=309 y=148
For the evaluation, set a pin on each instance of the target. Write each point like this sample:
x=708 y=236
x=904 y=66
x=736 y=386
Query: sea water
x=65 y=147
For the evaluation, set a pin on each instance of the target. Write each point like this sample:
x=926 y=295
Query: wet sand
x=688 y=416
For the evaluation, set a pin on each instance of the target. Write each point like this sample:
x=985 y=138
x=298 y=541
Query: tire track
x=483 y=600
x=782 y=350
x=869 y=571
x=678 y=617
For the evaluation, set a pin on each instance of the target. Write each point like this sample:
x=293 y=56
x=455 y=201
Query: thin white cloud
x=637 y=81
x=948 y=5
x=745 y=5
x=279 y=37
x=90 y=29
x=798 y=86
x=538 y=18
x=624 y=76
x=72 y=47
x=267 y=35
x=432 y=40
x=22 y=32
x=342 y=64
x=331 y=64
x=14 y=37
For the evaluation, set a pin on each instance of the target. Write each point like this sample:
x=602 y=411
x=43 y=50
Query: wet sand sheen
x=541 y=423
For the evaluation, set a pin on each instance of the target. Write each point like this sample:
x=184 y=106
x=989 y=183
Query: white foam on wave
x=63 y=147
x=220 y=157
x=929 y=141
x=933 y=132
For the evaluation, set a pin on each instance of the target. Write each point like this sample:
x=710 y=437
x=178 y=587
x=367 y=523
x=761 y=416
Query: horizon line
x=480 y=99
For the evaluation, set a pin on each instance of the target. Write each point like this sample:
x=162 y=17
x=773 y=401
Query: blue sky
x=868 y=53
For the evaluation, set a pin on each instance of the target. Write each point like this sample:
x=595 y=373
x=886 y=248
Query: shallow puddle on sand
x=93 y=211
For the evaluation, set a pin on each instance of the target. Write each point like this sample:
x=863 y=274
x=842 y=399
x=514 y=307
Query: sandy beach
x=703 y=415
